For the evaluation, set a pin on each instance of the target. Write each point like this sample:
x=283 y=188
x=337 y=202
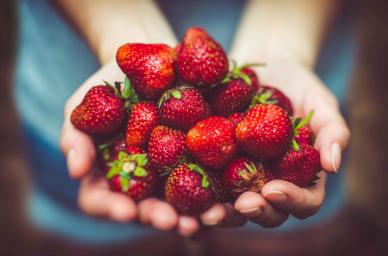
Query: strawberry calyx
x=125 y=91
x=198 y=169
x=174 y=92
x=252 y=179
x=128 y=166
x=263 y=97
x=237 y=72
x=297 y=124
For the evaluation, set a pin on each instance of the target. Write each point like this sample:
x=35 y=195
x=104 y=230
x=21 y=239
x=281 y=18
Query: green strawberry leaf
x=246 y=78
x=251 y=168
x=205 y=181
x=127 y=91
x=122 y=155
x=124 y=184
x=225 y=80
x=141 y=159
x=304 y=121
x=265 y=97
x=113 y=171
x=176 y=94
x=295 y=145
x=140 y=172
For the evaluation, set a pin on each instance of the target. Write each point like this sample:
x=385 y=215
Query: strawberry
x=221 y=195
x=265 y=131
x=182 y=107
x=305 y=136
x=201 y=60
x=149 y=67
x=131 y=174
x=235 y=92
x=302 y=131
x=188 y=189
x=212 y=142
x=101 y=111
x=236 y=117
x=245 y=174
x=299 y=166
x=142 y=119
x=166 y=147
x=271 y=95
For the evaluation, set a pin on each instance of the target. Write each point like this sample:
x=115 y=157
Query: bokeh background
x=361 y=228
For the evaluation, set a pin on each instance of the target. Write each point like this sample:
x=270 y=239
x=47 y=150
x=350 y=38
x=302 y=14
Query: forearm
x=283 y=29
x=108 y=24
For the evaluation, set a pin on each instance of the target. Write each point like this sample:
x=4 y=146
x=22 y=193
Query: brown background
x=360 y=229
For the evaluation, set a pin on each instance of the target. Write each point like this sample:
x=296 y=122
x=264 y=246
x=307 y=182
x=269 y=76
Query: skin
x=294 y=59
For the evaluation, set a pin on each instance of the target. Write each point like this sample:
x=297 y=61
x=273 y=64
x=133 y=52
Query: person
x=67 y=47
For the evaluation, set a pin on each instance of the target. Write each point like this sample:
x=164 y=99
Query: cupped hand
x=96 y=199
x=306 y=91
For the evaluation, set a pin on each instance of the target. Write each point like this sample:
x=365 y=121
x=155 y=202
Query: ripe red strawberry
x=142 y=119
x=265 y=131
x=131 y=174
x=188 y=189
x=298 y=166
x=245 y=174
x=235 y=93
x=221 y=195
x=212 y=142
x=302 y=131
x=182 y=107
x=271 y=95
x=101 y=111
x=304 y=136
x=166 y=147
x=149 y=67
x=201 y=60
x=236 y=117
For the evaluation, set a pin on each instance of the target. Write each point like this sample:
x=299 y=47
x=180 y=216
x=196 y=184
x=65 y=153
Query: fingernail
x=212 y=218
x=335 y=154
x=253 y=211
x=276 y=195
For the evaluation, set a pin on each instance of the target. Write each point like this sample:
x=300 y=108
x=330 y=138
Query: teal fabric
x=53 y=61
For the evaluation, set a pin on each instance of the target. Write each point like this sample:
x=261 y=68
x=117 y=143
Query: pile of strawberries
x=185 y=127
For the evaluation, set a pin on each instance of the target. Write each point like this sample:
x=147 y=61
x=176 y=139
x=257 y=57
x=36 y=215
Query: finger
x=187 y=226
x=332 y=133
x=145 y=207
x=214 y=215
x=79 y=150
x=300 y=202
x=163 y=216
x=254 y=207
x=222 y=215
x=96 y=199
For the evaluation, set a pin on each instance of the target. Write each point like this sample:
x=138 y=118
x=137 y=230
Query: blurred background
x=361 y=228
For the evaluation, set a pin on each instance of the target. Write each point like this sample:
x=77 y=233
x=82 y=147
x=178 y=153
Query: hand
x=279 y=198
x=96 y=199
